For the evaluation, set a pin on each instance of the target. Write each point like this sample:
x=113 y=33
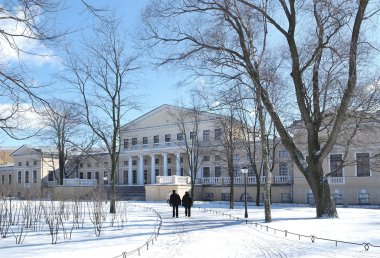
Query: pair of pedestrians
x=175 y=201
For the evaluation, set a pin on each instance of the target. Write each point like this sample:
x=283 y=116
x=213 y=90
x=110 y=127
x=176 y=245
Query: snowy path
x=206 y=234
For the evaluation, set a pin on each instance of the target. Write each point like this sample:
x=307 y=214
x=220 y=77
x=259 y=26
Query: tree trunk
x=231 y=192
x=61 y=169
x=267 y=197
x=258 y=189
x=113 y=188
x=325 y=204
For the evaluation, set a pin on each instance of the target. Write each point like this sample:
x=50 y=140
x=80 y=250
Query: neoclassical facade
x=153 y=155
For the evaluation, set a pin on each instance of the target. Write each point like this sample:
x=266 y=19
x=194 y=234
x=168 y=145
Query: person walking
x=175 y=200
x=187 y=202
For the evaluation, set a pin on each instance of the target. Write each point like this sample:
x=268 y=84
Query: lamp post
x=244 y=171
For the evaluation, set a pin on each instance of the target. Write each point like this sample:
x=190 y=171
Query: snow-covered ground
x=211 y=232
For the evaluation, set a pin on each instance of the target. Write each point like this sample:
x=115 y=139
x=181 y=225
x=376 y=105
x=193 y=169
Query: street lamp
x=244 y=171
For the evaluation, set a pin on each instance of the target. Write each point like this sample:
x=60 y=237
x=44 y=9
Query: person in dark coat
x=175 y=200
x=187 y=202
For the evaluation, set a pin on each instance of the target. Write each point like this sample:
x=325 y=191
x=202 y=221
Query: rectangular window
x=145 y=176
x=125 y=163
x=134 y=177
x=156 y=139
x=206 y=172
x=81 y=165
x=105 y=177
x=88 y=165
x=218 y=171
x=282 y=153
x=34 y=176
x=193 y=135
x=206 y=135
x=250 y=171
x=225 y=196
x=97 y=164
x=362 y=164
x=236 y=157
x=168 y=137
x=157 y=172
x=145 y=140
x=81 y=175
x=217 y=158
x=19 y=177
x=157 y=161
x=336 y=165
x=181 y=159
x=125 y=177
x=50 y=176
x=26 y=177
x=364 y=198
x=134 y=162
x=169 y=160
x=9 y=179
x=27 y=163
x=169 y=171
x=34 y=162
x=179 y=136
x=2 y=179
x=283 y=169
x=134 y=141
x=206 y=158
x=218 y=134
x=97 y=177
x=126 y=143
x=88 y=175
x=19 y=163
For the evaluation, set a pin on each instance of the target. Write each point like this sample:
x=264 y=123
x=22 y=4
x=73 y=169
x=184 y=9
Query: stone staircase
x=127 y=192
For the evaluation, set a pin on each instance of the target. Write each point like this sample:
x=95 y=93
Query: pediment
x=166 y=115
x=24 y=150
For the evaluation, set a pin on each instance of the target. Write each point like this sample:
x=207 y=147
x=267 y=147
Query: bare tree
x=22 y=22
x=321 y=53
x=100 y=74
x=230 y=141
x=188 y=121
x=65 y=129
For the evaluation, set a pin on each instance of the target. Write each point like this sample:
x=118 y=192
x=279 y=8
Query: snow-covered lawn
x=211 y=232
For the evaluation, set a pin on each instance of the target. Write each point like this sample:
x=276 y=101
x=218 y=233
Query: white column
x=130 y=174
x=140 y=173
x=165 y=164
x=178 y=164
x=153 y=169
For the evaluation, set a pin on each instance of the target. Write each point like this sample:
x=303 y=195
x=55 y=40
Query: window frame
x=218 y=134
x=206 y=135
x=358 y=165
x=339 y=171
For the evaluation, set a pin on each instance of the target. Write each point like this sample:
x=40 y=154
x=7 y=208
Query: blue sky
x=156 y=86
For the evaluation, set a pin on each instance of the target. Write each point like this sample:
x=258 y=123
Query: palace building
x=158 y=151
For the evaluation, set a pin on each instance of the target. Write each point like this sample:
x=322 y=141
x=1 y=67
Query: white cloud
x=25 y=118
x=33 y=50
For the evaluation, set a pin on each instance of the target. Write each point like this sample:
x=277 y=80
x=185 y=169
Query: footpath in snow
x=210 y=234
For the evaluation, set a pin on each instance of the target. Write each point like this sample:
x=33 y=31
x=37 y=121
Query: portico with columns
x=143 y=168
